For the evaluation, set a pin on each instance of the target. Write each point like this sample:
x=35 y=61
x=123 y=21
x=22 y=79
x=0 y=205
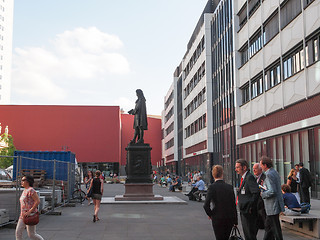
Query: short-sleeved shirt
x=26 y=200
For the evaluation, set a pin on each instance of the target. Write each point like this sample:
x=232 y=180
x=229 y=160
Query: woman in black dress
x=292 y=181
x=97 y=191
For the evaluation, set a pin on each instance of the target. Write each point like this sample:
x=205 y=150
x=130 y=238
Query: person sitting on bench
x=198 y=187
x=292 y=207
x=176 y=184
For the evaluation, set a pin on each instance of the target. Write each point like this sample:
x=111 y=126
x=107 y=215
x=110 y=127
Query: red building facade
x=97 y=135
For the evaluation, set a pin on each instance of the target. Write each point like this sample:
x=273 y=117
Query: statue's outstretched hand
x=131 y=111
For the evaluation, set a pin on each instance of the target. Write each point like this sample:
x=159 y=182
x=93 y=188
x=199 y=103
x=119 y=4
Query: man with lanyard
x=247 y=197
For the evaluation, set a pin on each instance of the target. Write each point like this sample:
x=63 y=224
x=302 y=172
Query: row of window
x=270 y=30
x=194 y=57
x=169 y=115
x=195 y=103
x=195 y=80
x=169 y=100
x=292 y=63
x=289 y=10
x=223 y=47
x=169 y=144
x=222 y=20
x=196 y=126
x=170 y=129
x=252 y=6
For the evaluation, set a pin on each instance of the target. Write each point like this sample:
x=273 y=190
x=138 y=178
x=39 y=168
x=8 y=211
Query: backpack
x=305 y=207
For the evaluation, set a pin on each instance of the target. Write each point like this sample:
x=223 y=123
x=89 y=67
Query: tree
x=6 y=151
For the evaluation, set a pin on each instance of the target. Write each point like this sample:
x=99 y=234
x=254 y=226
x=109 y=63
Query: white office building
x=278 y=83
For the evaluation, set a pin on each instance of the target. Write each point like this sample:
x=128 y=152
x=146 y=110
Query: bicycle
x=78 y=194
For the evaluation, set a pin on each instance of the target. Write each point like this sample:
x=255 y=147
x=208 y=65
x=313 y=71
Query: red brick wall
x=197 y=147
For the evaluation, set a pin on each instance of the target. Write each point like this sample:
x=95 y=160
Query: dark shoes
x=94 y=218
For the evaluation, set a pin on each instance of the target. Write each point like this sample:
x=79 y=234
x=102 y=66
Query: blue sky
x=98 y=52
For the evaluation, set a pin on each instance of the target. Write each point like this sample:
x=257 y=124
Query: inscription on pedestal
x=138 y=166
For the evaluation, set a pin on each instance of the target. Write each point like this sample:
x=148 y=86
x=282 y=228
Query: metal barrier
x=54 y=182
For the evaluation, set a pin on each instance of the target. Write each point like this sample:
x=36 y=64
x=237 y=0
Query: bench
x=305 y=223
x=37 y=174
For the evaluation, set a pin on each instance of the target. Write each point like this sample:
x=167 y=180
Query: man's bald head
x=257 y=170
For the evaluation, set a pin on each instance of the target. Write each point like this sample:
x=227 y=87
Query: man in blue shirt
x=176 y=184
x=198 y=187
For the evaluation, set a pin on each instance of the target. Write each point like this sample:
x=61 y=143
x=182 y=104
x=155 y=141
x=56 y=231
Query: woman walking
x=87 y=181
x=223 y=213
x=293 y=183
x=29 y=202
x=97 y=191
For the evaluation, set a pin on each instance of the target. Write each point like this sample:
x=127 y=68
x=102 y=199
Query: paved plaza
x=133 y=221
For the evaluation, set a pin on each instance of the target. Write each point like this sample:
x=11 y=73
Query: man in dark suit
x=260 y=177
x=247 y=198
x=305 y=183
x=224 y=213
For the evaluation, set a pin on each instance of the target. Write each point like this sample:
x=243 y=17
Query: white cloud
x=124 y=103
x=74 y=59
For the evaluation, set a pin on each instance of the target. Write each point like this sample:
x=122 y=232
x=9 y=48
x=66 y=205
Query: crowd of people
x=260 y=199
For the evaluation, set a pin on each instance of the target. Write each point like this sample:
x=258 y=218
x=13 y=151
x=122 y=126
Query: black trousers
x=273 y=228
x=249 y=226
x=222 y=228
x=304 y=195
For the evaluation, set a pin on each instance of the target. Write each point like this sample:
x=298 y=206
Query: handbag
x=89 y=193
x=235 y=234
x=32 y=219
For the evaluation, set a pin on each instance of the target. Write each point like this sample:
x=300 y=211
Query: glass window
x=307 y=2
x=244 y=54
x=272 y=78
x=316 y=49
x=289 y=11
x=301 y=59
x=260 y=89
x=296 y=148
x=245 y=93
x=242 y=16
x=253 y=5
x=254 y=89
x=271 y=27
x=297 y=61
x=287 y=152
x=266 y=85
x=278 y=77
x=289 y=67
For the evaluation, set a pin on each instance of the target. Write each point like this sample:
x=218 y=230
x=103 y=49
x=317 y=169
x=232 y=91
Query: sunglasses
x=23 y=180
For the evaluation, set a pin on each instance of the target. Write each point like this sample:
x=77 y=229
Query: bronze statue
x=140 y=118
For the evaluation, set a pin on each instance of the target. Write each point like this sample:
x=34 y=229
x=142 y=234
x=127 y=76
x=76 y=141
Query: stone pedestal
x=139 y=168
x=138 y=186
x=138 y=192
